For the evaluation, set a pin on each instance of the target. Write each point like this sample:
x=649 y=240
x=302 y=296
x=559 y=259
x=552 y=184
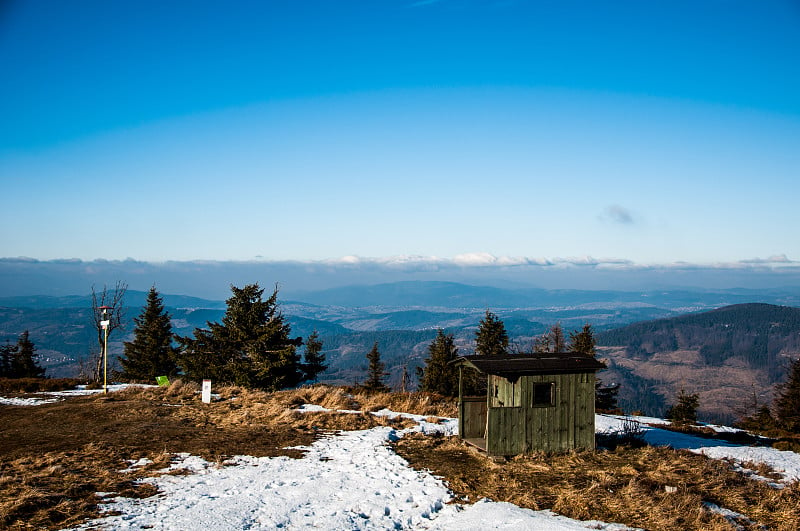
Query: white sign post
x=206 y=391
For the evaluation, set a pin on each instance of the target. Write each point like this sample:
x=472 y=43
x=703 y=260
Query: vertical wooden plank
x=571 y=381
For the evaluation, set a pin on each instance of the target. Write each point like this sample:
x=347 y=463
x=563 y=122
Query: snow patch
x=785 y=463
x=347 y=480
x=31 y=401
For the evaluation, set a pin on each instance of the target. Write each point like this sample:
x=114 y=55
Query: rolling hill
x=726 y=355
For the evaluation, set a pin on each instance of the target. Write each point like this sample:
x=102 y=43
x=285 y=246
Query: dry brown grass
x=629 y=486
x=33 y=385
x=55 y=457
x=58 y=489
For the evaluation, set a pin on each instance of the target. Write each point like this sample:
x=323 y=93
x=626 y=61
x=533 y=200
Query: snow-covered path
x=350 y=480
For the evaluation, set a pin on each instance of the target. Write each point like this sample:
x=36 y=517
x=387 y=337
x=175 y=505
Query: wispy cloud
x=775 y=259
x=618 y=214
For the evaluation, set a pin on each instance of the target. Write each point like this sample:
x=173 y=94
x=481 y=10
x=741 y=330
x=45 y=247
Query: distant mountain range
x=415 y=294
x=655 y=342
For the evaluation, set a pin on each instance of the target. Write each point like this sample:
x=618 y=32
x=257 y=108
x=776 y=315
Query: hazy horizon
x=212 y=279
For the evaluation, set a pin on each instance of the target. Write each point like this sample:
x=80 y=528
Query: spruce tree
x=685 y=410
x=605 y=397
x=151 y=353
x=439 y=375
x=787 y=403
x=313 y=358
x=23 y=359
x=583 y=341
x=376 y=371
x=6 y=353
x=251 y=347
x=491 y=339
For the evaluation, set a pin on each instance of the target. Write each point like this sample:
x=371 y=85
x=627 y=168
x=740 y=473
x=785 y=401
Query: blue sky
x=471 y=131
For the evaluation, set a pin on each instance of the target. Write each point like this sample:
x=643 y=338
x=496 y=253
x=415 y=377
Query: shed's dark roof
x=522 y=364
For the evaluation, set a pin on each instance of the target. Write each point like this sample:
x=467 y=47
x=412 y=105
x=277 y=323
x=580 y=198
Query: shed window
x=543 y=394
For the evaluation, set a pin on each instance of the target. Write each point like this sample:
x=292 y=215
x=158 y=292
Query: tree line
x=440 y=375
x=18 y=360
x=252 y=346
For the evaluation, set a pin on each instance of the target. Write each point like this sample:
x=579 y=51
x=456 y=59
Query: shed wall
x=567 y=424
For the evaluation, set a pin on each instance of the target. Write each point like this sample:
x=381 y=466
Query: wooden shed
x=533 y=402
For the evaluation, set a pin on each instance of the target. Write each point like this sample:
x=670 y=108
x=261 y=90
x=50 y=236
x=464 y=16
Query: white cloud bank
x=212 y=279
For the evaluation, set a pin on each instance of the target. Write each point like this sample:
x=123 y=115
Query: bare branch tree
x=115 y=317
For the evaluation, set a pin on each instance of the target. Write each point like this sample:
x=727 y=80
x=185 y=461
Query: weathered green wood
x=511 y=424
x=473 y=423
x=505 y=436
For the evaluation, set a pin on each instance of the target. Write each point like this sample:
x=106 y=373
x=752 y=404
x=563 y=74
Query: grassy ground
x=55 y=457
x=650 y=488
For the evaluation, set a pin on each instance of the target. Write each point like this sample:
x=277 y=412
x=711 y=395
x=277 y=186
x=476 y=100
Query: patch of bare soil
x=650 y=488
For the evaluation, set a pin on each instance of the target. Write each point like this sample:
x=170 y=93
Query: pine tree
x=151 y=353
x=685 y=410
x=313 y=358
x=583 y=341
x=491 y=339
x=787 y=403
x=605 y=397
x=376 y=371
x=6 y=353
x=251 y=347
x=439 y=375
x=23 y=359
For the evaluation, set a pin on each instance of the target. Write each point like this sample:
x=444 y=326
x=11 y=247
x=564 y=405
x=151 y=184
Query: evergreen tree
x=251 y=347
x=685 y=410
x=23 y=359
x=787 y=403
x=151 y=353
x=313 y=358
x=439 y=375
x=376 y=373
x=761 y=420
x=583 y=341
x=6 y=353
x=605 y=397
x=491 y=339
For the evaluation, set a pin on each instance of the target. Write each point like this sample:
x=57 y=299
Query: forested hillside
x=727 y=355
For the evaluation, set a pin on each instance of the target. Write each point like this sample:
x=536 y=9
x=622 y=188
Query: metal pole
x=105 y=361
